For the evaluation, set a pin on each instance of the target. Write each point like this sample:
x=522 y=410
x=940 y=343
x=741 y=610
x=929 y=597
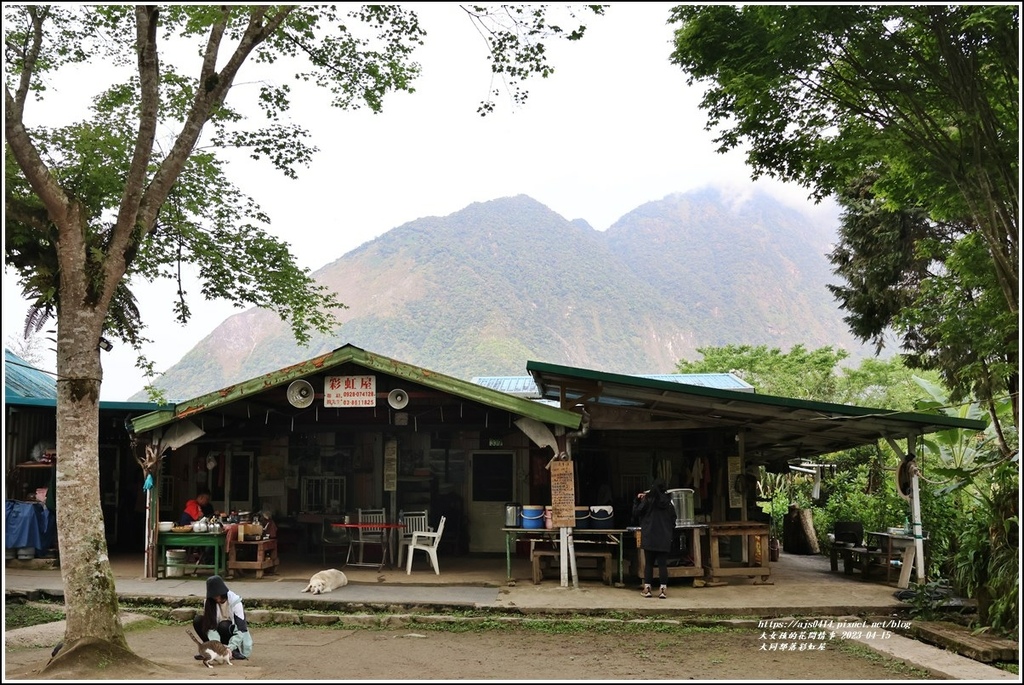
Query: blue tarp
x=27 y=525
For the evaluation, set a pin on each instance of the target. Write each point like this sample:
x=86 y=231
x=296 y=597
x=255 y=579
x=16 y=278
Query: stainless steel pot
x=201 y=526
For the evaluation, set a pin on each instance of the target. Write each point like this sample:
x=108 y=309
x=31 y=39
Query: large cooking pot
x=513 y=512
x=682 y=501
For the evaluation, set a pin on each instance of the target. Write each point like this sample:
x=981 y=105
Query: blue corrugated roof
x=525 y=386
x=23 y=381
x=27 y=386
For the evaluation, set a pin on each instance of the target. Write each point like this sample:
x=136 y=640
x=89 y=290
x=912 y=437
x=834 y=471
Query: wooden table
x=386 y=531
x=892 y=546
x=607 y=536
x=755 y=536
x=186 y=540
x=266 y=556
x=693 y=532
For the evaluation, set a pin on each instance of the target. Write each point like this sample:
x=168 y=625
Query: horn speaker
x=398 y=398
x=300 y=394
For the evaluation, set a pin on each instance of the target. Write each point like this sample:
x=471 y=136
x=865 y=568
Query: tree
x=924 y=99
x=798 y=373
x=114 y=197
x=935 y=286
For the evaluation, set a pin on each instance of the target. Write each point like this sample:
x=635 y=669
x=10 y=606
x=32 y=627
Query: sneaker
x=238 y=656
x=646 y=592
x=662 y=595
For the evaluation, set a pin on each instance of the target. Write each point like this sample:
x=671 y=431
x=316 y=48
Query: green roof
x=373 y=362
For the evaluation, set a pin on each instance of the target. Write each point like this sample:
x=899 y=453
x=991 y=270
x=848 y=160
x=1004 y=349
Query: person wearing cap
x=223 y=619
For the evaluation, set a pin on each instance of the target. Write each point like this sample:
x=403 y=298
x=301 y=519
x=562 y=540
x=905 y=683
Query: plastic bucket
x=547 y=518
x=601 y=516
x=682 y=501
x=533 y=516
x=175 y=556
x=582 y=517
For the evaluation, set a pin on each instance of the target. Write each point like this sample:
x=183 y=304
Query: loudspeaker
x=398 y=398
x=300 y=394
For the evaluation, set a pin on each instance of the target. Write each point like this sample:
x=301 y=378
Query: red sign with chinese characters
x=350 y=391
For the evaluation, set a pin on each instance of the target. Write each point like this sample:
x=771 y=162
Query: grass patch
x=25 y=615
x=894 y=665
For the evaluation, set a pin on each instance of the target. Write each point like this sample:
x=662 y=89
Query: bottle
x=906 y=525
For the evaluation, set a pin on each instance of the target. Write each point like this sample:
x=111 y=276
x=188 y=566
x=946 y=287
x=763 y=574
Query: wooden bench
x=265 y=557
x=548 y=556
x=858 y=558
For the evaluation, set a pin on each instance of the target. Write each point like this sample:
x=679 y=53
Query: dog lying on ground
x=325 y=581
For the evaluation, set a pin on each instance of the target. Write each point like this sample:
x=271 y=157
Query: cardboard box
x=251 y=531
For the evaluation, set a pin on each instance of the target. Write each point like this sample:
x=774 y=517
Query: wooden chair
x=368 y=536
x=845 y=533
x=426 y=541
x=415 y=522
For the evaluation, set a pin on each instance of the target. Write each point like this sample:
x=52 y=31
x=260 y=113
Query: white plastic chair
x=368 y=536
x=415 y=522
x=427 y=541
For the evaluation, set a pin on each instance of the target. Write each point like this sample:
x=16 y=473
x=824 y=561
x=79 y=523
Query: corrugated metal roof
x=520 y=386
x=27 y=386
x=22 y=381
x=526 y=386
x=774 y=429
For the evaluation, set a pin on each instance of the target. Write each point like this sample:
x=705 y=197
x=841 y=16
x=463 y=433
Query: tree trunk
x=90 y=596
x=807 y=523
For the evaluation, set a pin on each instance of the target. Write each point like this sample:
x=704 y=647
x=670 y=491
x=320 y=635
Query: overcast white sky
x=615 y=126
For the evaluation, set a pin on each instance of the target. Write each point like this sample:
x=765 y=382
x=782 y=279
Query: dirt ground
x=513 y=653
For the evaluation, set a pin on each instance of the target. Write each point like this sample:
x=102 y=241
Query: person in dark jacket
x=657 y=519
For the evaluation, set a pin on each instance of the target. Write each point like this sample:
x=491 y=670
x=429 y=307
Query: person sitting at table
x=197 y=508
x=194 y=510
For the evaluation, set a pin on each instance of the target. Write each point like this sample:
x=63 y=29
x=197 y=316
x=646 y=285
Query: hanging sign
x=563 y=494
x=390 y=465
x=350 y=391
x=735 y=493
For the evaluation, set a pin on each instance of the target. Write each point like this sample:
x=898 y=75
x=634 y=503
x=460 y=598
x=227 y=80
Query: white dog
x=325 y=581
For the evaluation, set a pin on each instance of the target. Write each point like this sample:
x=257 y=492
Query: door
x=231 y=482
x=492 y=484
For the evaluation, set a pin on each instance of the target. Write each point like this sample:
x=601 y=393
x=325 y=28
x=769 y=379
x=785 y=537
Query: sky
x=615 y=126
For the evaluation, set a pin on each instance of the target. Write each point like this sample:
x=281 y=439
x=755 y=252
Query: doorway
x=492 y=483
x=231 y=482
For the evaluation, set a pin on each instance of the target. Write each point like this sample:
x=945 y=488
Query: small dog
x=325 y=581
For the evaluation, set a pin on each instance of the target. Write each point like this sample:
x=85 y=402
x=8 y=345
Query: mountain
x=483 y=290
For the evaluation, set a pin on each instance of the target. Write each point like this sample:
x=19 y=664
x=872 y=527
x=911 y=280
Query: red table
x=386 y=531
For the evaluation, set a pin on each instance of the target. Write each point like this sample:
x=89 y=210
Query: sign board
x=390 y=465
x=350 y=391
x=563 y=494
x=735 y=471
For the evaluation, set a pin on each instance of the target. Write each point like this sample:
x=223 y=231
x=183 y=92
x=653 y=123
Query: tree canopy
x=917 y=104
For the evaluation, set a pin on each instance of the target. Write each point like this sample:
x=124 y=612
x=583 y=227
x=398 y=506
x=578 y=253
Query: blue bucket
x=602 y=517
x=582 y=517
x=533 y=516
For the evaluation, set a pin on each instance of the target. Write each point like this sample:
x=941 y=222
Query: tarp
x=27 y=524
